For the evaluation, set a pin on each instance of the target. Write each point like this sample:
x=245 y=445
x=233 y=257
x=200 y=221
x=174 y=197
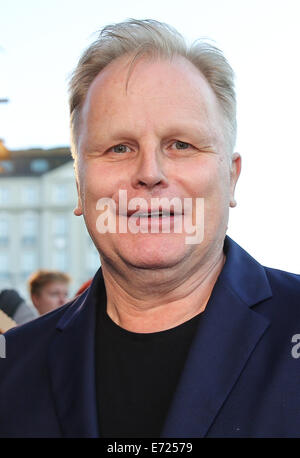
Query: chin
x=154 y=252
x=151 y=263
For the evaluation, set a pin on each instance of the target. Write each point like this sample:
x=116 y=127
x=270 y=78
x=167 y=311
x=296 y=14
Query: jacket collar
x=228 y=333
x=228 y=327
x=72 y=364
x=244 y=275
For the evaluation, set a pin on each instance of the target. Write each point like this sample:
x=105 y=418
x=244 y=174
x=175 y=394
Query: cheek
x=100 y=180
x=45 y=298
x=203 y=180
x=218 y=181
x=212 y=183
x=217 y=202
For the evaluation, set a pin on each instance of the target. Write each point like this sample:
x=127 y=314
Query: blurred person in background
x=48 y=290
x=6 y=323
x=15 y=307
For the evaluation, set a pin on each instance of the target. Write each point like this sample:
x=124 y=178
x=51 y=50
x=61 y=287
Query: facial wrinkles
x=149 y=126
x=205 y=113
x=141 y=87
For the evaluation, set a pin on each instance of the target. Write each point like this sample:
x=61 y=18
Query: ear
x=236 y=165
x=78 y=210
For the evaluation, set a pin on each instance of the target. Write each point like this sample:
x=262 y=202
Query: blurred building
x=37 y=225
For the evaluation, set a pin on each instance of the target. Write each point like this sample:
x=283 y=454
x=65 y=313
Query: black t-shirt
x=137 y=375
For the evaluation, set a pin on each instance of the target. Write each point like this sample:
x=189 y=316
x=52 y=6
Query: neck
x=140 y=305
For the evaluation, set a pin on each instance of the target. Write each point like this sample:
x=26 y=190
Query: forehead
x=149 y=91
x=55 y=284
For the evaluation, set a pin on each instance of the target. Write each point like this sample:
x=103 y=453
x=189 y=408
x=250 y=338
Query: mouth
x=161 y=213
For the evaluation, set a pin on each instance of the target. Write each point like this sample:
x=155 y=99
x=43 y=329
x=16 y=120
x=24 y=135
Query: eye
x=120 y=149
x=181 y=145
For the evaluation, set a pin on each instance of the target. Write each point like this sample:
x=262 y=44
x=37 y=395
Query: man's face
x=51 y=296
x=160 y=135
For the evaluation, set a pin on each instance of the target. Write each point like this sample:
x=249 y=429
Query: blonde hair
x=150 y=37
x=39 y=279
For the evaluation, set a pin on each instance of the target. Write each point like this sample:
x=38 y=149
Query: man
x=48 y=290
x=181 y=333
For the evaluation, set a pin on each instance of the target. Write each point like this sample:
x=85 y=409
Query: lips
x=151 y=213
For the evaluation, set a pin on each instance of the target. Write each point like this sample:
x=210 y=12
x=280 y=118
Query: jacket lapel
x=72 y=367
x=227 y=335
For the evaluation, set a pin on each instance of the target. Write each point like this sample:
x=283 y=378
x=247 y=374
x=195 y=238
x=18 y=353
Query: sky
x=41 y=41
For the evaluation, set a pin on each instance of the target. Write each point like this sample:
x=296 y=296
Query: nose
x=149 y=171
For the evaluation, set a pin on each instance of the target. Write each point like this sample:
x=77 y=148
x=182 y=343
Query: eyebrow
x=199 y=135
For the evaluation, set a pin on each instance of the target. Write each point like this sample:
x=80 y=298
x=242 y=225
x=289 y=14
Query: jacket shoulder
x=31 y=337
x=284 y=305
x=281 y=280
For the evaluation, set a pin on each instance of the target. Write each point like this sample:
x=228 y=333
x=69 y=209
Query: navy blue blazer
x=241 y=377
